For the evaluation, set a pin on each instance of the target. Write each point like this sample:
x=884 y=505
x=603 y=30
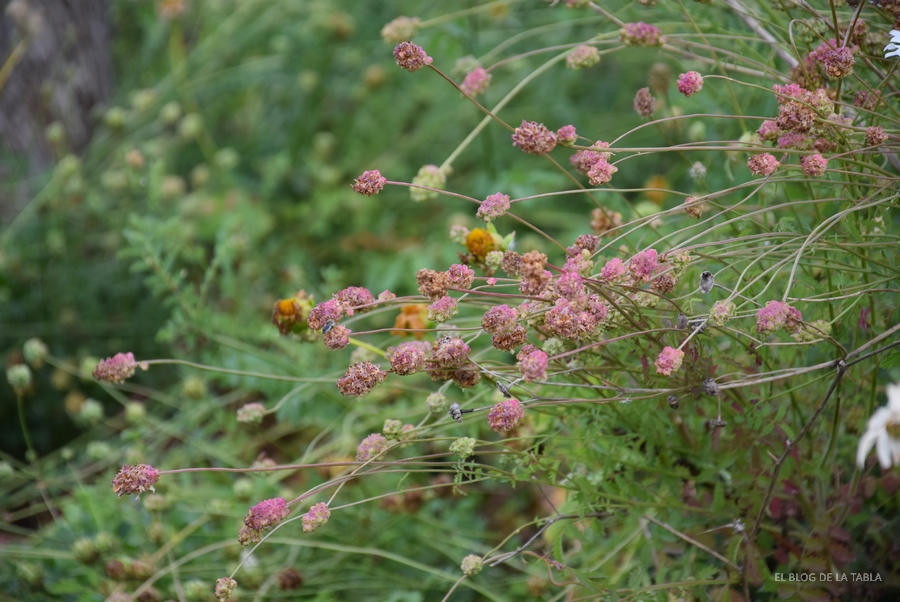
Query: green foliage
x=219 y=185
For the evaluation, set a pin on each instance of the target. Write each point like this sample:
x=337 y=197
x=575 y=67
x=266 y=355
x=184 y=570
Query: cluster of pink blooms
x=836 y=60
x=369 y=183
x=777 y=315
x=261 y=518
x=644 y=103
x=692 y=207
x=669 y=360
x=337 y=338
x=798 y=125
x=594 y=163
x=762 y=164
x=411 y=57
x=434 y=285
x=225 y=588
x=117 y=368
x=476 y=82
x=875 y=136
x=644 y=265
x=566 y=135
x=408 y=358
x=813 y=166
x=500 y=321
x=443 y=309
x=532 y=363
x=505 y=415
x=582 y=57
x=613 y=270
x=360 y=378
x=641 y=34
x=493 y=207
x=450 y=361
x=690 y=83
x=317 y=516
x=371 y=447
x=534 y=138
x=135 y=480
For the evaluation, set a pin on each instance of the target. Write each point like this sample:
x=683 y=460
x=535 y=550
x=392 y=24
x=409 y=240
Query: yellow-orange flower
x=411 y=316
x=479 y=242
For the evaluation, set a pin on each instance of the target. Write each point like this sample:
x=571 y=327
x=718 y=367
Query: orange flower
x=411 y=316
x=479 y=242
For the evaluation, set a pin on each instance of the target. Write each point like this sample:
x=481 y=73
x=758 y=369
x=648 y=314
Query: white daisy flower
x=894 y=46
x=883 y=431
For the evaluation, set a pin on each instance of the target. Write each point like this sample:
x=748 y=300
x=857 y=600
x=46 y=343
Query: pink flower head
x=534 y=138
x=836 y=61
x=533 y=364
x=778 y=315
x=267 y=514
x=323 y=312
x=261 y=518
x=337 y=338
x=794 y=141
x=692 y=207
x=813 y=165
x=505 y=415
x=370 y=447
x=450 y=352
x=460 y=276
x=668 y=361
x=117 y=368
x=644 y=103
x=613 y=270
x=251 y=413
x=224 y=588
x=769 y=131
x=411 y=56
x=317 y=516
x=443 y=309
x=569 y=285
x=762 y=164
x=584 y=160
x=386 y=295
x=582 y=57
x=360 y=378
x=644 y=264
x=476 y=82
x=408 y=358
x=369 y=183
x=690 y=83
x=641 y=34
x=563 y=320
x=601 y=172
x=135 y=480
x=493 y=207
x=353 y=297
x=499 y=319
x=566 y=135
x=875 y=136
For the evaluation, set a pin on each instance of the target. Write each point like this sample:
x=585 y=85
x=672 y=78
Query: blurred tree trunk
x=55 y=68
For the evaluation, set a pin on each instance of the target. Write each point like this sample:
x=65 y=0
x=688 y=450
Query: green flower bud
x=19 y=377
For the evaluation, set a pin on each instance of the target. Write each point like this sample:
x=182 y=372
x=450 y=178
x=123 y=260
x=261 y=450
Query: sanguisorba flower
x=224 y=588
x=534 y=138
x=476 y=82
x=641 y=34
x=135 y=480
x=883 y=430
x=668 y=361
x=762 y=164
x=690 y=83
x=505 y=415
x=117 y=368
x=262 y=517
x=813 y=166
x=582 y=57
x=644 y=103
x=370 y=447
x=400 y=29
x=317 y=516
x=493 y=207
x=411 y=57
x=369 y=183
x=778 y=315
x=360 y=378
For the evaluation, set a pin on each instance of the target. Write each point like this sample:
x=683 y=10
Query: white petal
x=895 y=450
x=893 y=391
x=895 y=36
x=865 y=446
x=879 y=419
x=895 y=52
x=883 y=449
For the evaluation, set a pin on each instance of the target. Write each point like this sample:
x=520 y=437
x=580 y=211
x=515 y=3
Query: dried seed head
x=707 y=281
